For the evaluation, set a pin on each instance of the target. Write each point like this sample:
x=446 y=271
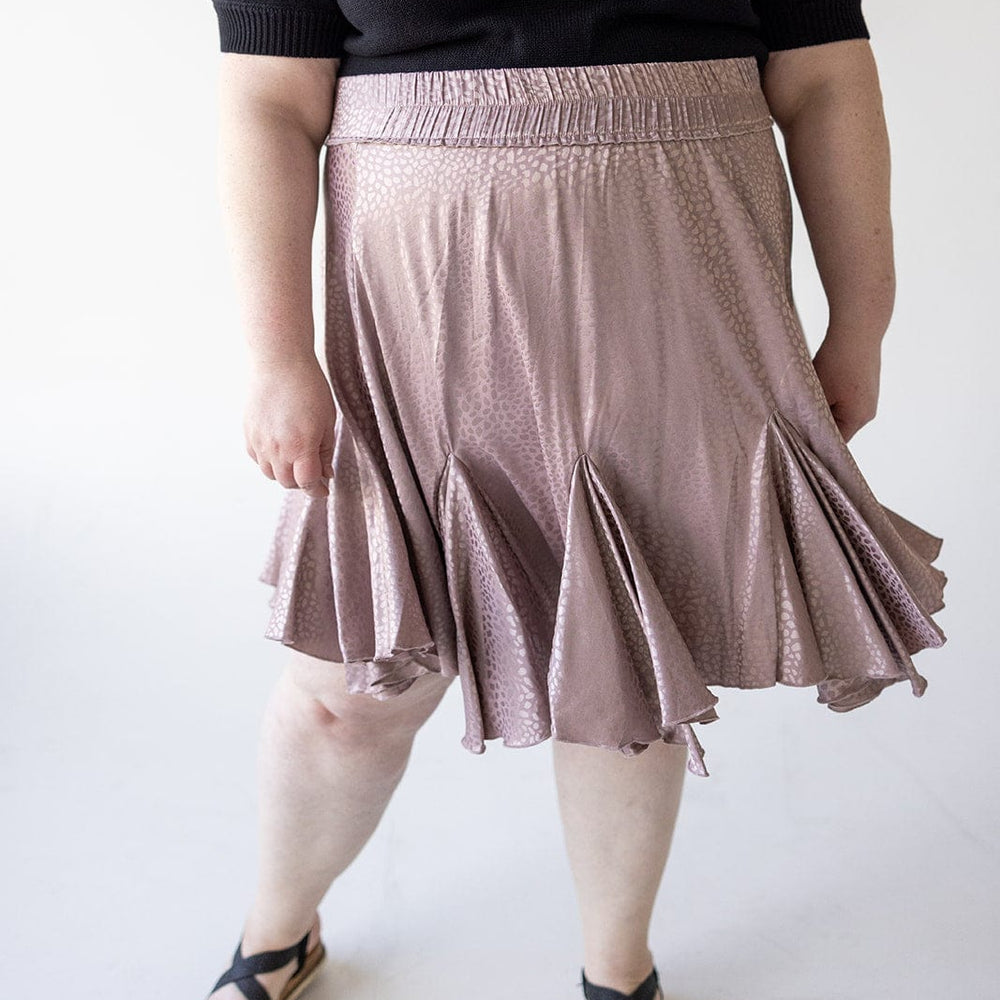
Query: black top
x=390 y=36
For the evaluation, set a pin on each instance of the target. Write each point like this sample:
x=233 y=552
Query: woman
x=576 y=452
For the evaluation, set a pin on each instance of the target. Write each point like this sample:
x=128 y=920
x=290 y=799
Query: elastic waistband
x=543 y=105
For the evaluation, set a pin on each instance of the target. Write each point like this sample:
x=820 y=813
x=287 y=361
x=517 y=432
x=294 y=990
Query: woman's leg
x=618 y=817
x=328 y=764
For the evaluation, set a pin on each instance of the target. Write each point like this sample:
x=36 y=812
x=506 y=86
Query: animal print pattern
x=583 y=459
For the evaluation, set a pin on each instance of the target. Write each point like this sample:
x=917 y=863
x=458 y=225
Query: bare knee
x=319 y=687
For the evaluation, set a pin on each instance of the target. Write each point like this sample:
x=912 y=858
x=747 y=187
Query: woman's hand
x=849 y=369
x=827 y=102
x=289 y=424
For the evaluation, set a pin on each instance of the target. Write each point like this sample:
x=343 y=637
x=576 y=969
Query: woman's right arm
x=275 y=112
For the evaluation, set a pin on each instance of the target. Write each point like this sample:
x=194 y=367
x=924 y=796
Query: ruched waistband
x=542 y=105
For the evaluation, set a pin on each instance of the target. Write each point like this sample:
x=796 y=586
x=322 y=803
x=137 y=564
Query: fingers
x=326 y=458
x=308 y=473
x=289 y=426
x=846 y=432
x=850 y=419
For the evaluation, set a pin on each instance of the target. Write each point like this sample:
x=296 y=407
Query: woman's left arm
x=827 y=103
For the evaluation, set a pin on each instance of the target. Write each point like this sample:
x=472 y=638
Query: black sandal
x=245 y=968
x=648 y=989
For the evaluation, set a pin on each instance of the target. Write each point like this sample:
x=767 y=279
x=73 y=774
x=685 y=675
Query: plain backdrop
x=828 y=856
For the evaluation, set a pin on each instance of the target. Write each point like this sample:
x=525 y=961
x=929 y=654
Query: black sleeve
x=312 y=28
x=794 y=24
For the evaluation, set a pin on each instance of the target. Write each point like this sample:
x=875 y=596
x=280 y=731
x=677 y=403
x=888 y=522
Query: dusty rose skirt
x=583 y=460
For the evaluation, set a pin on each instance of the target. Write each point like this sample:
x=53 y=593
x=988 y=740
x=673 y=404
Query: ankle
x=257 y=938
x=260 y=934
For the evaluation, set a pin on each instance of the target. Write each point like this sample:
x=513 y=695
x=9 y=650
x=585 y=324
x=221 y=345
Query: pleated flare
x=584 y=648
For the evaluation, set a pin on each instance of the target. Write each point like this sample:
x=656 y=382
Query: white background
x=829 y=856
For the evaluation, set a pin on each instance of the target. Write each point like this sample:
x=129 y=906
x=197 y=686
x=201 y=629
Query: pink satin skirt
x=583 y=460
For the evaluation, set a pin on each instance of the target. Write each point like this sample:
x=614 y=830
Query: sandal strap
x=251 y=989
x=648 y=989
x=246 y=967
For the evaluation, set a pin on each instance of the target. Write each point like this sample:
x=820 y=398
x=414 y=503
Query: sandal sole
x=297 y=985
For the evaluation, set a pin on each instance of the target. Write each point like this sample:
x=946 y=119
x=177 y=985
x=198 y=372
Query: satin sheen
x=583 y=460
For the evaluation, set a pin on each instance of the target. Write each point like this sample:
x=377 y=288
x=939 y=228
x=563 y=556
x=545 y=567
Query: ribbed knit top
x=388 y=36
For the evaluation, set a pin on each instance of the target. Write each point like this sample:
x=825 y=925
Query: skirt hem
x=523 y=632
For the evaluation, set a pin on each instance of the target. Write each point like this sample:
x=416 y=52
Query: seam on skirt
x=562 y=138
x=602 y=99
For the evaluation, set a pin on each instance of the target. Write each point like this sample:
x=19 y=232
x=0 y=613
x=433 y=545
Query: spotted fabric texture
x=583 y=460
